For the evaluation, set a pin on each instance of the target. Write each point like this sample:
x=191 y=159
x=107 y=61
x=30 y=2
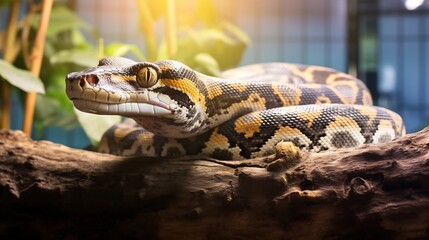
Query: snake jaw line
x=126 y=109
x=92 y=102
x=102 y=102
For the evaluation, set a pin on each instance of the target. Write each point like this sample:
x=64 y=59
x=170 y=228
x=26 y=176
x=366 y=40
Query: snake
x=171 y=110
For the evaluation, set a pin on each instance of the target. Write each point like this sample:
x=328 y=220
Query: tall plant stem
x=9 y=55
x=5 y=104
x=147 y=25
x=36 y=63
x=171 y=28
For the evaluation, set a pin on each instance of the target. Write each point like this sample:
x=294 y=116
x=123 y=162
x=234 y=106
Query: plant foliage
x=19 y=78
x=70 y=47
x=204 y=42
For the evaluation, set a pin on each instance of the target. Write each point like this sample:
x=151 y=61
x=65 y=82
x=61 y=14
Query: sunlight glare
x=413 y=4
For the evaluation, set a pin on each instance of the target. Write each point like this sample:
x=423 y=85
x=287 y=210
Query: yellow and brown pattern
x=178 y=111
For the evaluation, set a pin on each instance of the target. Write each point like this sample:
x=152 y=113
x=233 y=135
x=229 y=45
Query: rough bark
x=49 y=191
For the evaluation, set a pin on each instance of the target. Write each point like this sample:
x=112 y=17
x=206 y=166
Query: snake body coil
x=178 y=111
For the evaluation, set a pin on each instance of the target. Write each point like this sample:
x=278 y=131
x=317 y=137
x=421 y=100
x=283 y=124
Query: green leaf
x=77 y=39
x=207 y=64
x=49 y=113
x=226 y=45
x=55 y=88
x=235 y=32
x=21 y=79
x=85 y=57
x=120 y=49
x=61 y=19
x=95 y=125
x=214 y=34
x=46 y=107
x=188 y=44
x=162 y=51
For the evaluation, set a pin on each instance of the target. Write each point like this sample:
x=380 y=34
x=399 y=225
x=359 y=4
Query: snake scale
x=173 y=110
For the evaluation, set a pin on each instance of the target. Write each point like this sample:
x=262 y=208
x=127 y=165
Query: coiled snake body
x=178 y=111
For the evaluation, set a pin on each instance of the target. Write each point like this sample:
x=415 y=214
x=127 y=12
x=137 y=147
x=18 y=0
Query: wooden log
x=50 y=191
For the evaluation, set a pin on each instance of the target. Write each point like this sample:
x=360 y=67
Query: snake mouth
x=125 y=109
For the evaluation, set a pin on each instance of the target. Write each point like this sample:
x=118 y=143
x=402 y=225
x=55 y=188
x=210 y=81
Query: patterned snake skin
x=173 y=110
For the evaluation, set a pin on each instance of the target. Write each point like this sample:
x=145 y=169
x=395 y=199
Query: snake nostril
x=90 y=79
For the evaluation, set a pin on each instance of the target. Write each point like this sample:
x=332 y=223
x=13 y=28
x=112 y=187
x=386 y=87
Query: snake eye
x=147 y=77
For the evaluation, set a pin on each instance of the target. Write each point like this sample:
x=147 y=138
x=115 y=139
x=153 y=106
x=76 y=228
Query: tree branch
x=375 y=191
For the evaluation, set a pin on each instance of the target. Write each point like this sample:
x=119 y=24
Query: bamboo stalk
x=36 y=63
x=34 y=8
x=171 y=28
x=5 y=105
x=148 y=28
x=9 y=55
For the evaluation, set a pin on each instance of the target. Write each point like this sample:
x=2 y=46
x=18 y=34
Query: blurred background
x=383 y=42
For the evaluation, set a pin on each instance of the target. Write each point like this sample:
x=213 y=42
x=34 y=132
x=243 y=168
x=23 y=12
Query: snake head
x=157 y=95
x=118 y=86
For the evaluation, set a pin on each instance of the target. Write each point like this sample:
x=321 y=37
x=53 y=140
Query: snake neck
x=205 y=102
